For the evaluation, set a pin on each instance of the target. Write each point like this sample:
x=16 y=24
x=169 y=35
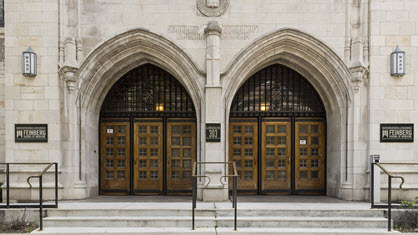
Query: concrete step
x=214 y=231
x=128 y=212
x=303 y=213
x=117 y=221
x=213 y=212
x=207 y=222
x=302 y=222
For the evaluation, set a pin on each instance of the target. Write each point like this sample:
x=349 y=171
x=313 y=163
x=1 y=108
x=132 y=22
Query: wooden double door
x=147 y=156
x=279 y=155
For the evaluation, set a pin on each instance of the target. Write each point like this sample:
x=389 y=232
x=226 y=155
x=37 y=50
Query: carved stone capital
x=67 y=73
x=358 y=73
x=213 y=28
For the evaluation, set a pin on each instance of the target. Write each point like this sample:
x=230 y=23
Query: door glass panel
x=237 y=129
x=270 y=163
x=303 y=129
x=154 y=141
x=142 y=141
x=187 y=141
x=175 y=141
x=270 y=140
x=109 y=163
x=281 y=129
x=175 y=130
x=175 y=152
x=270 y=175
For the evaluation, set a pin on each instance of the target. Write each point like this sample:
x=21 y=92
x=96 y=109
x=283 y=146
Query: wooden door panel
x=115 y=158
x=276 y=156
x=148 y=156
x=181 y=154
x=243 y=143
x=309 y=156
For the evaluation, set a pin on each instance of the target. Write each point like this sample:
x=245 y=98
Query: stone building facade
x=84 y=47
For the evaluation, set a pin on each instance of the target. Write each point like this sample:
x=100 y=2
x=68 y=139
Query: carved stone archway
x=92 y=81
x=325 y=70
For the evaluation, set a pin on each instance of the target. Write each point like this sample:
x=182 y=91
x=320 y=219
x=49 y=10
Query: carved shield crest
x=212 y=8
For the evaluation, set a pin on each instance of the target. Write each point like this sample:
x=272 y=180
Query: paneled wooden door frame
x=156 y=175
x=276 y=156
x=261 y=123
x=114 y=157
x=310 y=165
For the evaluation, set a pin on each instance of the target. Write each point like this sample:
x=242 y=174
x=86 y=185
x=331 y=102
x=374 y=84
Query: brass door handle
x=103 y=161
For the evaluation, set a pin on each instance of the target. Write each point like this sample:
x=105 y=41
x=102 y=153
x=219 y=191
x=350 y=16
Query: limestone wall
x=394 y=99
x=243 y=22
x=37 y=99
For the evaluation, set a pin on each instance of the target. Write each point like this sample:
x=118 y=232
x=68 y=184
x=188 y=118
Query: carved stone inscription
x=229 y=32
x=186 y=32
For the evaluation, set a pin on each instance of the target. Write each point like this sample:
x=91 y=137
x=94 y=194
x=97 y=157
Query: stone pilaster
x=214 y=114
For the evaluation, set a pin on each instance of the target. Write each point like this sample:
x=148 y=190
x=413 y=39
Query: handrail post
x=389 y=203
x=40 y=204
x=8 y=185
x=235 y=202
x=194 y=201
x=56 y=185
x=372 y=185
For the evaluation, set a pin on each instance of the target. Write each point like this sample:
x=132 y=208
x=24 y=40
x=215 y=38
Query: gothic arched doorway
x=277 y=134
x=147 y=135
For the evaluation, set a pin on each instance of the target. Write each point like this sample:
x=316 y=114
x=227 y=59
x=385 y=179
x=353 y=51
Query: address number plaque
x=213 y=132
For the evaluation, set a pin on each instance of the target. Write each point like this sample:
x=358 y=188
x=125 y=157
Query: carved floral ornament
x=212 y=8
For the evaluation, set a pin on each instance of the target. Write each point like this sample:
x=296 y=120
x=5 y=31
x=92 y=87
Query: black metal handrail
x=41 y=205
x=390 y=177
x=234 y=188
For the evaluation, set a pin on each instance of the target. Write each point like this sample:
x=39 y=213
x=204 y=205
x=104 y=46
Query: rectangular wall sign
x=213 y=132
x=31 y=133
x=396 y=132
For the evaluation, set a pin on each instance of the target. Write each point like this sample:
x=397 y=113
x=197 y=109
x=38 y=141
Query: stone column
x=215 y=190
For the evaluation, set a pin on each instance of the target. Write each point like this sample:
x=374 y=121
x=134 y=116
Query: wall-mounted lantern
x=397 y=62
x=29 y=63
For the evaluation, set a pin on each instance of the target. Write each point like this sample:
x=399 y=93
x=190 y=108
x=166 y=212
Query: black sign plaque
x=397 y=133
x=213 y=132
x=31 y=133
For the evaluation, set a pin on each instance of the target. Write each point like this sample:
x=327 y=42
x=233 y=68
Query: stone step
x=302 y=222
x=128 y=212
x=117 y=221
x=208 y=222
x=215 y=231
x=303 y=213
x=213 y=212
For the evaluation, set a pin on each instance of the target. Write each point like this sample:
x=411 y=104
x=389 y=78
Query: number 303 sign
x=213 y=132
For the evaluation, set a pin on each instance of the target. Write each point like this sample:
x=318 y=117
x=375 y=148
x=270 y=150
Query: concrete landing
x=214 y=231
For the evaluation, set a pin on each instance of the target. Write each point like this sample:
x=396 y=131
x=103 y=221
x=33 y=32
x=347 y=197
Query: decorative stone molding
x=67 y=73
x=126 y=51
x=358 y=74
x=302 y=52
x=212 y=8
x=213 y=28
